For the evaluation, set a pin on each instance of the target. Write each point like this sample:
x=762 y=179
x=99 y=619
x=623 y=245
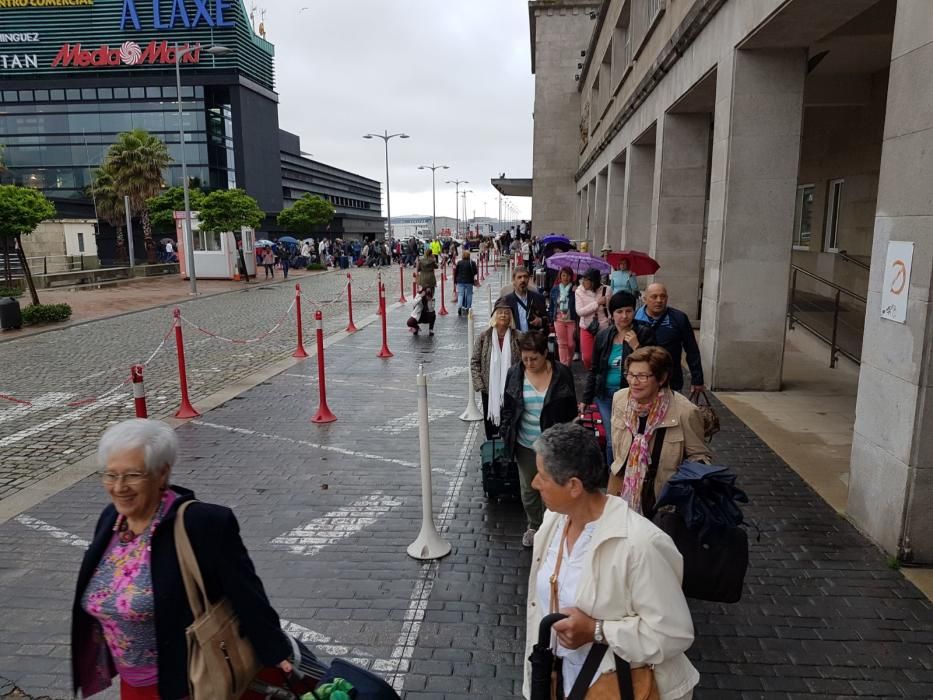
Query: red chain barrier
x=324 y=414
x=351 y=327
x=384 y=352
x=139 y=391
x=13 y=399
x=185 y=410
x=300 y=350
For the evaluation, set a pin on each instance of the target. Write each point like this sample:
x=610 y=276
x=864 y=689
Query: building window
x=833 y=214
x=205 y=241
x=803 y=217
x=81 y=242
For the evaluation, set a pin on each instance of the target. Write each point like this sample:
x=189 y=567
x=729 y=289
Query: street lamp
x=432 y=168
x=466 y=216
x=386 y=136
x=457 y=184
x=189 y=234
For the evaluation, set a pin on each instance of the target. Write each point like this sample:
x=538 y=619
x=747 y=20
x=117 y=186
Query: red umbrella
x=639 y=263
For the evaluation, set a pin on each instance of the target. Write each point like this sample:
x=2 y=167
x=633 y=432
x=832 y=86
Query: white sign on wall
x=895 y=290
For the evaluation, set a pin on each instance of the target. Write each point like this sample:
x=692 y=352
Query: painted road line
x=330 y=647
x=447 y=372
x=312 y=537
x=399 y=425
x=388 y=386
x=16 y=411
x=57 y=533
x=424 y=586
x=305 y=443
x=64 y=418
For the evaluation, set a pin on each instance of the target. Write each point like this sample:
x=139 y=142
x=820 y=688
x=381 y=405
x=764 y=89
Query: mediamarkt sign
x=129 y=54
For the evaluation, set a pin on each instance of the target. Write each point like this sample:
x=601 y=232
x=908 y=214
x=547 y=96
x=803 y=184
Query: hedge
x=6 y=292
x=46 y=313
x=316 y=266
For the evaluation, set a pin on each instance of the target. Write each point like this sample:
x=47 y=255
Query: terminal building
x=73 y=75
x=764 y=151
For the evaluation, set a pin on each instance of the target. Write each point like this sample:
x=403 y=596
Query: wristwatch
x=598 y=633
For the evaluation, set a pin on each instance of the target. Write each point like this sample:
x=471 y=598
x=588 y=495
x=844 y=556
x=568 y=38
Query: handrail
x=855 y=261
x=834 y=349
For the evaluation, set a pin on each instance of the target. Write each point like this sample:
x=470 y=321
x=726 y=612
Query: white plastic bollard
x=472 y=412
x=429 y=543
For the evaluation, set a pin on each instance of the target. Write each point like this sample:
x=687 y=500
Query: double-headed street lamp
x=433 y=168
x=180 y=53
x=457 y=184
x=386 y=136
x=466 y=215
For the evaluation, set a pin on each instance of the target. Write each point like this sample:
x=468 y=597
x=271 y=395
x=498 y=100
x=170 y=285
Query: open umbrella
x=639 y=263
x=263 y=243
x=578 y=262
x=555 y=238
x=288 y=240
x=542 y=659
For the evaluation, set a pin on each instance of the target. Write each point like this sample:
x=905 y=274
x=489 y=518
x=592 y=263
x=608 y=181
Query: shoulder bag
x=593 y=326
x=221 y=663
x=710 y=419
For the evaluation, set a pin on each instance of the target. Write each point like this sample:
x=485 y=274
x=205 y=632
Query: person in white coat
x=619 y=576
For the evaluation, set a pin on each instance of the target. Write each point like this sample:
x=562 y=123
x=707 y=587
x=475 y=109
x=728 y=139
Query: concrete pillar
x=756 y=146
x=679 y=206
x=590 y=220
x=599 y=214
x=891 y=474
x=615 y=201
x=639 y=185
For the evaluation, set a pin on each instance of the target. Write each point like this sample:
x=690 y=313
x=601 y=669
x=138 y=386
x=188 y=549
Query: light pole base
x=429 y=544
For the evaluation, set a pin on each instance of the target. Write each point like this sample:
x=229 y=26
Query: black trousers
x=492 y=430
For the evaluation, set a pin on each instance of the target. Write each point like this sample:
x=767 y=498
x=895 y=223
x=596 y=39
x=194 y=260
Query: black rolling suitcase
x=500 y=473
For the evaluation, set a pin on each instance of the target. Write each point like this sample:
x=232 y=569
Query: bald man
x=672 y=331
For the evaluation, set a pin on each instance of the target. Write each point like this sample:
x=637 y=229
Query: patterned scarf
x=639 y=455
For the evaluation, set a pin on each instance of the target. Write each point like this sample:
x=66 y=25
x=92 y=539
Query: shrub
x=316 y=266
x=46 y=313
x=7 y=292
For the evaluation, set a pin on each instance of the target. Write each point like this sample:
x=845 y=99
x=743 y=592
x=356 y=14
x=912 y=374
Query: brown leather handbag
x=221 y=663
x=710 y=419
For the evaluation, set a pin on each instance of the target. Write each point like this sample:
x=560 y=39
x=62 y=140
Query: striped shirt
x=529 y=428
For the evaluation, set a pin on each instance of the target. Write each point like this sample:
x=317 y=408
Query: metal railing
x=832 y=339
x=855 y=261
x=45 y=264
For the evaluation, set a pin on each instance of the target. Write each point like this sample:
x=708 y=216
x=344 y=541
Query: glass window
x=153 y=92
x=25 y=96
x=137 y=93
x=150 y=121
x=9 y=95
x=73 y=95
x=803 y=217
x=42 y=95
x=187 y=91
x=121 y=93
x=57 y=95
x=170 y=92
x=105 y=93
x=88 y=94
x=199 y=91
x=80 y=241
x=116 y=122
x=833 y=214
x=206 y=241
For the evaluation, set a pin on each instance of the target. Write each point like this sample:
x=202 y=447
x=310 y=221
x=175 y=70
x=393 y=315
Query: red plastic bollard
x=139 y=391
x=185 y=410
x=401 y=278
x=443 y=310
x=324 y=414
x=300 y=350
x=384 y=352
x=351 y=327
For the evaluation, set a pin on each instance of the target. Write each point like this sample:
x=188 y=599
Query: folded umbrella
x=578 y=262
x=705 y=496
x=542 y=660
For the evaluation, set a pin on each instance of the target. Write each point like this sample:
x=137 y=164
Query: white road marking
x=314 y=445
x=57 y=533
x=399 y=425
x=447 y=372
x=312 y=537
x=312 y=381
x=331 y=647
x=20 y=410
x=421 y=594
x=64 y=418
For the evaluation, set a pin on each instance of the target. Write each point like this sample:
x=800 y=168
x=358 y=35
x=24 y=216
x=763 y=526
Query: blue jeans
x=465 y=295
x=605 y=411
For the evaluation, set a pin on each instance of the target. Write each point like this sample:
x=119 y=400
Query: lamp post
x=386 y=137
x=457 y=184
x=180 y=53
x=466 y=216
x=433 y=168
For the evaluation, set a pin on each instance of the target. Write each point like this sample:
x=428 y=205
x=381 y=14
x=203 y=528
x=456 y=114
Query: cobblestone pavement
x=327 y=512
x=73 y=364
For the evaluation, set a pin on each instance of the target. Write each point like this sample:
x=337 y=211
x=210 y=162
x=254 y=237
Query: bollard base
x=472 y=413
x=385 y=352
x=429 y=545
x=323 y=415
x=351 y=328
x=300 y=353
x=187 y=411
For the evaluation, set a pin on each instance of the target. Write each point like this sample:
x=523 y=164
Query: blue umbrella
x=288 y=239
x=556 y=238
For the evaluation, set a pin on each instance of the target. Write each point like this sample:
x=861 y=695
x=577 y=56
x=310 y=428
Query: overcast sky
x=455 y=76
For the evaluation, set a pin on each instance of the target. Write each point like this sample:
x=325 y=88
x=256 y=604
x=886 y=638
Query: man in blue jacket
x=670 y=329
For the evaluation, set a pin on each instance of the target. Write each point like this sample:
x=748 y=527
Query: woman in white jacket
x=619 y=576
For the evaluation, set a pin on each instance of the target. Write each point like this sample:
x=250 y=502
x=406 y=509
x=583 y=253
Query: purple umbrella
x=578 y=262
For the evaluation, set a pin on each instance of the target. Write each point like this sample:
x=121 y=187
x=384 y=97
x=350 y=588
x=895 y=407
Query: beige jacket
x=631 y=581
x=683 y=440
x=482 y=354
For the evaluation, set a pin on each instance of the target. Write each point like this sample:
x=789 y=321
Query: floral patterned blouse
x=119 y=596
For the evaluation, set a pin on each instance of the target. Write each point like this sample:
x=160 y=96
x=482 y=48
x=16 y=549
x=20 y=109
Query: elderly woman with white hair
x=494 y=353
x=614 y=574
x=131 y=610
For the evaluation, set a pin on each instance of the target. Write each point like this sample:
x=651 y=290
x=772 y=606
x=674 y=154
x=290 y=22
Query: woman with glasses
x=130 y=610
x=654 y=430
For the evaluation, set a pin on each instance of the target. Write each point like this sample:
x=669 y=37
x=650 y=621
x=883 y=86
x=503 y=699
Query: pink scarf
x=639 y=454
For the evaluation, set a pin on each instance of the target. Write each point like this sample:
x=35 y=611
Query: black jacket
x=465 y=272
x=537 y=308
x=227 y=570
x=602 y=349
x=560 y=401
x=674 y=333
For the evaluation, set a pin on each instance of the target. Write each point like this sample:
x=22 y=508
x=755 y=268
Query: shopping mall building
x=76 y=73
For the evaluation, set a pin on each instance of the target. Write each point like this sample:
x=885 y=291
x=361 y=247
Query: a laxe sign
x=174 y=14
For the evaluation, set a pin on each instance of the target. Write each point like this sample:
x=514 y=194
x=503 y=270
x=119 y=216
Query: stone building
x=740 y=140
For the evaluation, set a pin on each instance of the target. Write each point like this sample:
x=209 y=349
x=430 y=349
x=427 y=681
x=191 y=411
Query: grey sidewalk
x=327 y=512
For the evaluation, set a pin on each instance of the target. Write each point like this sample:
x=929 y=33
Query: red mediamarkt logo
x=129 y=53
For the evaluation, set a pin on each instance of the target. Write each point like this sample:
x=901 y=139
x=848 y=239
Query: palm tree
x=136 y=162
x=110 y=205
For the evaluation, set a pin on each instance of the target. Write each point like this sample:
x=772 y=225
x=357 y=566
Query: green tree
x=229 y=210
x=136 y=161
x=109 y=203
x=307 y=214
x=163 y=207
x=21 y=210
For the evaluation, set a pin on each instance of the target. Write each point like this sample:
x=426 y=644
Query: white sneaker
x=528 y=539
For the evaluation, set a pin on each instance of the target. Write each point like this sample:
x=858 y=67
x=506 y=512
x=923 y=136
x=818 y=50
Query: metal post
x=793 y=289
x=388 y=200
x=129 y=230
x=45 y=264
x=832 y=346
x=433 y=204
x=189 y=233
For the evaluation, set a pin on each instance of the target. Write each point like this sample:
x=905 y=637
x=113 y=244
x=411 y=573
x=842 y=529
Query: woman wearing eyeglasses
x=654 y=430
x=131 y=611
